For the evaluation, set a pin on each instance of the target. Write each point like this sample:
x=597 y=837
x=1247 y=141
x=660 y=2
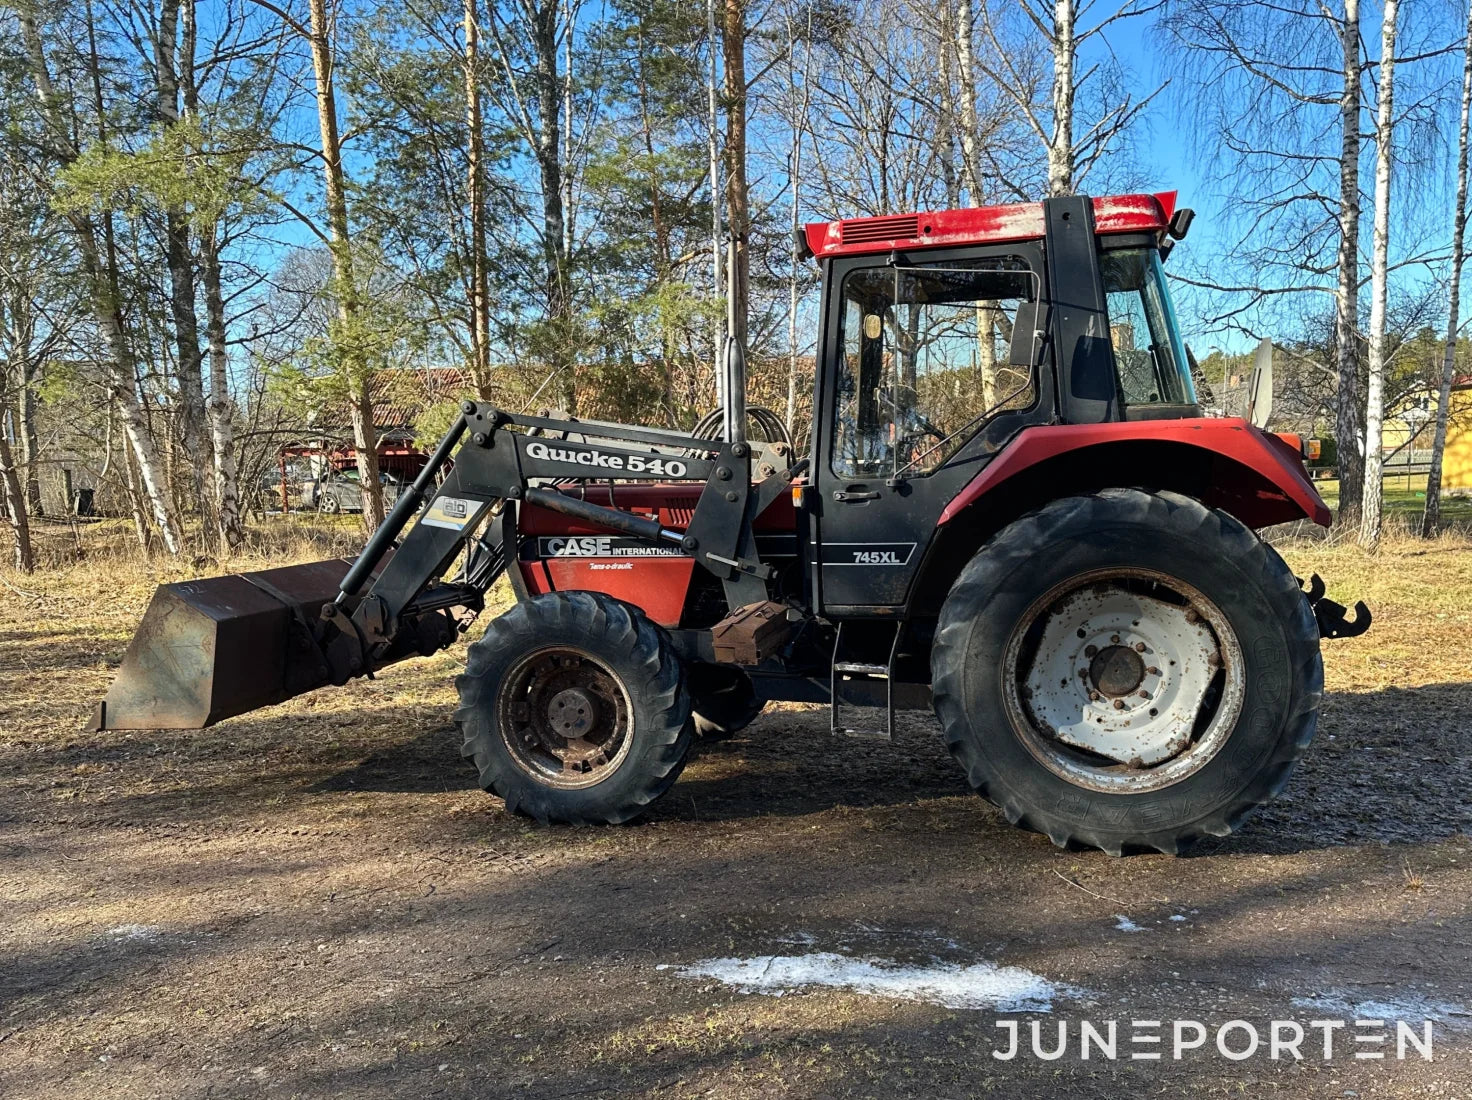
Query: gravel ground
x=316 y=901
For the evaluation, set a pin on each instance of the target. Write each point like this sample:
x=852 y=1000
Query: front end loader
x=1011 y=510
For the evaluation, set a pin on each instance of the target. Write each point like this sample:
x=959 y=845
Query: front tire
x=574 y=709
x=1127 y=670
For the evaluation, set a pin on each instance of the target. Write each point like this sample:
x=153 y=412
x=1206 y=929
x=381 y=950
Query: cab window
x=928 y=357
x=1149 y=358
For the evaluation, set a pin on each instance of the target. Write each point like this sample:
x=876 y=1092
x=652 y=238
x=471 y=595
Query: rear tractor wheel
x=574 y=709
x=1127 y=671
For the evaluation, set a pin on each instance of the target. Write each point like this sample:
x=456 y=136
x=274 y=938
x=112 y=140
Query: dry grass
x=1420 y=592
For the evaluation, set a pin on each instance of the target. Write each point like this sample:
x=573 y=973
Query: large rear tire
x=1127 y=670
x=574 y=709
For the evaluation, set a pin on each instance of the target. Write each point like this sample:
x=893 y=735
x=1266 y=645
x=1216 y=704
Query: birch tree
x=1070 y=154
x=95 y=238
x=1349 y=408
x=1370 y=520
x=1431 y=516
x=170 y=63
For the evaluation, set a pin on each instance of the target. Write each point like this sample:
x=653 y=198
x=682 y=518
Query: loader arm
x=211 y=649
x=497 y=464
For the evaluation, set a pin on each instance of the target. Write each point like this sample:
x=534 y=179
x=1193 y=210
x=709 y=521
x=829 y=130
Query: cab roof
x=981 y=225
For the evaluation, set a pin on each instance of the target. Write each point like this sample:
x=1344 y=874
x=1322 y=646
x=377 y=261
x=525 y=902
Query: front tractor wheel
x=1127 y=670
x=574 y=710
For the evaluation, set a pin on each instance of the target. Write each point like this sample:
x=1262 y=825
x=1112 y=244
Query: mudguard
x=1252 y=474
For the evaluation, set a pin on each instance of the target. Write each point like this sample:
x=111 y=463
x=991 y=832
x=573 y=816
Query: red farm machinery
x=1011 y=509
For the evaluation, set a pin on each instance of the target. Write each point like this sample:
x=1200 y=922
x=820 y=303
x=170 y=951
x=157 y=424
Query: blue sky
x=1166 y=152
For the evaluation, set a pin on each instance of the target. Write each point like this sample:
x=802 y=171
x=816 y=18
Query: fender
x=1225 y=462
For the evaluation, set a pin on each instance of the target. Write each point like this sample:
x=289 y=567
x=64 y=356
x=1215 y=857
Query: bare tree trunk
x=717 y=252
x=1348 y=418
x=1370 y=518
x=545 y=137
x=794 y=175
x=738 y=210
x=100 y=274
x=966 y=72
x=947 y=127
x=180 y=262
x=480 y=300
x=986 y=356
x=11 y=493
x=1431 y=517
x=345 y=287
x=1060 y=145
x=221 y=409
x=570 y=22
x=30 y=443
x=137 y=506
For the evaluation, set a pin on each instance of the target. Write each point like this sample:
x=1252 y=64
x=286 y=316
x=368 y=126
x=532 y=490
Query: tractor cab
x=947 y=334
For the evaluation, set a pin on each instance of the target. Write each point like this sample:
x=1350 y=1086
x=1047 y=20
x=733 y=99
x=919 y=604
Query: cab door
x=930 y=363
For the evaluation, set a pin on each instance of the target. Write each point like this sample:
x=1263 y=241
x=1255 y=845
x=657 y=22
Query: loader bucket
x=210 y=649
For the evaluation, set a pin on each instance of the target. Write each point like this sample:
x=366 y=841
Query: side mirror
x=1024 y=335
x=1260 y=388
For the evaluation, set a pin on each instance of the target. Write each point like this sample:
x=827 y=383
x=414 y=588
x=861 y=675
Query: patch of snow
x=1409 y=1006
x=134 y=933
x=979 y=985
x=1125 y=924
x=1178 y=916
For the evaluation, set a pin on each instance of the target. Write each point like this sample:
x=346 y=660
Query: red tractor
x=1011 y=509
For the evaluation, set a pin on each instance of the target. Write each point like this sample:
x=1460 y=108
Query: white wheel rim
x=1124 y=680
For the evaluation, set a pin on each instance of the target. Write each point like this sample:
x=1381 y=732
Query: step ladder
x=846 y=671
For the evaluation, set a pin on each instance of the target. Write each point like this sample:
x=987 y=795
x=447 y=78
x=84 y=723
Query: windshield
x=1149 y=358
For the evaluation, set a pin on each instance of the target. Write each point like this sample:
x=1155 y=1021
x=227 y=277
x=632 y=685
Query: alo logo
x=876 y=557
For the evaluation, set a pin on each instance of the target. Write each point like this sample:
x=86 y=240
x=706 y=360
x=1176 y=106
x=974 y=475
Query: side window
x=1148 y=362
x=927 y=359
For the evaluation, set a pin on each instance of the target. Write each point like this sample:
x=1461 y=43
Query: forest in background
x=220 y=219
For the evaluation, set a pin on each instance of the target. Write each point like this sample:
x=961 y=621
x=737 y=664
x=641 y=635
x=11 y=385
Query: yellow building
x=1456 y=463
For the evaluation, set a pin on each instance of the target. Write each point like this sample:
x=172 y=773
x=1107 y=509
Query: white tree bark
x=1060 y=146
x=1348 y=409
x=220 y=408
x=966 y=73
x=1370 y=507
x=100 y=273
x=1431 y=517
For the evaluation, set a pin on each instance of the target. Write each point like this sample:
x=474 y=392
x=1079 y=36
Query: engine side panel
x=561 y=554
